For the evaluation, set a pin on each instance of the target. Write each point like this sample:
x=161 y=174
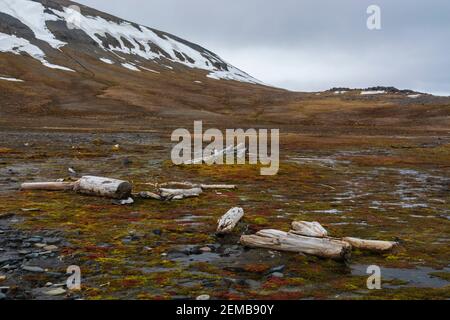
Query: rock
x=2 y=296
x=34 y=239
x=2 y=278
x=52 y=240
x=277 y=269
x=157 y=232
x=51 y=248
x=203 y=297
x=55 y=292
x=33 y=269
x=205 y=249
x=277 y=275
x=126 y=161
x=40 y=245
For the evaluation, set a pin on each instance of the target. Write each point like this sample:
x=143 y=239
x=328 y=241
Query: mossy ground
x=372 y=187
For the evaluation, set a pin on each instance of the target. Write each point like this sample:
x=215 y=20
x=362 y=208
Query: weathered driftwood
x=284 y=241
x=371 y=245
x=229 y=221
x=187 y=184
x=47 y=186
x=240 y=150
x=309 y=229
x=217 y=186
x=178 y=194
x=149 y=195
x=105 y=187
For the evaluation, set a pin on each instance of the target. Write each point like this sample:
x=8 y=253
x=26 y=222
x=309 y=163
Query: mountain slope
x=64 y=68
x=34 y=28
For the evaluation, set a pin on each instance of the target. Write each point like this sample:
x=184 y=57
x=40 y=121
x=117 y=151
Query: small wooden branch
x=229 y=221
x=149 y=195
x=104 y=187
x=283 y=241
x=48 y=186
x=371 y=245
x=187 y=184
x=309 y=229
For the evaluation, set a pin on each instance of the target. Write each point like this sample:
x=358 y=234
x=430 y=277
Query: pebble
x=34 y=239
x=52 y=240
x=277 y=269
x=33 y=269
x=40 y=245
x=51 y=248
x=203 y=297
x=205 y=249
x=277 y=275
x=2 y=278
x=55 y=292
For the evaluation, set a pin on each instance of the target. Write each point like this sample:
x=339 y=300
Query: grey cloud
x=311 y=45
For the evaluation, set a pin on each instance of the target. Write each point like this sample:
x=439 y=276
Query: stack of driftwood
x=305 y=237
x=122 y=190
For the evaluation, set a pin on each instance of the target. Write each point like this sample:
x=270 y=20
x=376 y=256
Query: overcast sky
x=309 y=45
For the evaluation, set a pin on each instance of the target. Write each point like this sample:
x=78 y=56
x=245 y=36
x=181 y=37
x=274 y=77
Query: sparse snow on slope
x=129 y=38
x=130 y=67
x=365 y=93
x=106 y=61
x=16 y=45
x=10 y=79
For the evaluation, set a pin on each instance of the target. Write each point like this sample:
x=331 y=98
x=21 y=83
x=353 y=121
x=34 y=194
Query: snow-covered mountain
x=42 y=29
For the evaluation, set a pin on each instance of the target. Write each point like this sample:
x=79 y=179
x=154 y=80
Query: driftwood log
x=287 y=241
x=186 y=184
x=309 y=229
x=178 y=194
x=104 y=187
x=47 y=186
x=371 y=245
x=228 y=222
x=149 y=195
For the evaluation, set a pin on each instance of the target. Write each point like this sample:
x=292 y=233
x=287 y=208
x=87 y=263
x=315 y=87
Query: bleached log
x=217 y=186
x=371 y=245
x=149 y=195
x=47 y=186
x=283 y=241
x=187 y=184
x=178 y=194
x=309 y=229
x=228 y=222
x=105 y=187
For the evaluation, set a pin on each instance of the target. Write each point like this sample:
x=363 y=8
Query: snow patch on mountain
x=106 y=61
x=33 y=15
x=129 y=39
x=372 y=92
x=130 y=66
x=10 y=79
x=16 y=45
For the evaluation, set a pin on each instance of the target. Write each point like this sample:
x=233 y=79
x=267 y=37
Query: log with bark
x=287 y=241
x=228 y=222
x=104 y=187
